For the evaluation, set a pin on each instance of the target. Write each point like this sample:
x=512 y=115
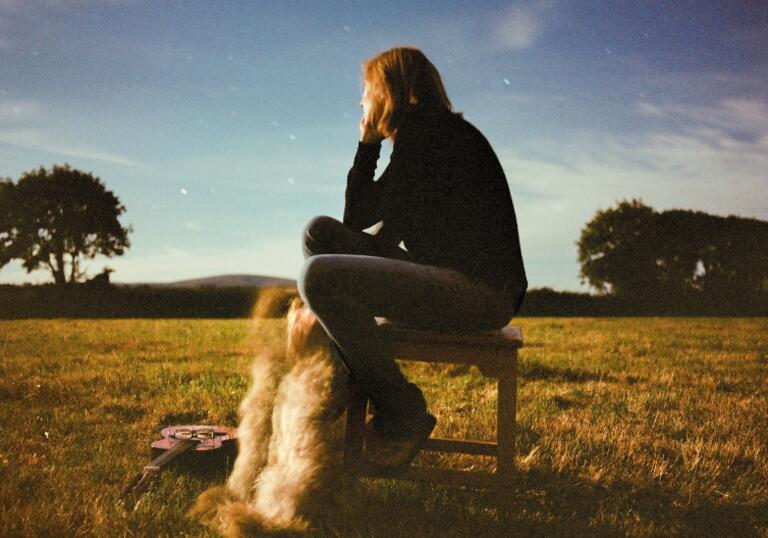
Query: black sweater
x=445 y=196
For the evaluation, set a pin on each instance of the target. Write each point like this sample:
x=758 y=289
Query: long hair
x=398 y=78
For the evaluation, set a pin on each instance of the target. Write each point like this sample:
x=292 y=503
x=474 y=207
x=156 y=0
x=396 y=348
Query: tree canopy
x=56 y=218
x=632 y=249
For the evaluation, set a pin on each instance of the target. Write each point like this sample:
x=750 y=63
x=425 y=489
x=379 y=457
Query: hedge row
x=116 y=301
x=83 y=301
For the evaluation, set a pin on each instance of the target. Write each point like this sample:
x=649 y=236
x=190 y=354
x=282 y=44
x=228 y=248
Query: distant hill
x=248 y=281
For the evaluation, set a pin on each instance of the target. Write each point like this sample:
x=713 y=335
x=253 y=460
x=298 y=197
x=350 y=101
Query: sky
x=224 y=127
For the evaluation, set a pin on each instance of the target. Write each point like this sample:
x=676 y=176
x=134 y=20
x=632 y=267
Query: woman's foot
x=391 y=445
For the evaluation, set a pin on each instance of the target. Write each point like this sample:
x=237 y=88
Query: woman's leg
x=326 y=235
x=347 y=290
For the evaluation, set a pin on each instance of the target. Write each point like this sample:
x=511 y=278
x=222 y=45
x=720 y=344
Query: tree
x=733 y=255
x=616 y=249
x=678 y=251
x=634 y=251
x=55 y=219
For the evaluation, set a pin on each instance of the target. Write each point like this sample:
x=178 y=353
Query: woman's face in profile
x=366 y=102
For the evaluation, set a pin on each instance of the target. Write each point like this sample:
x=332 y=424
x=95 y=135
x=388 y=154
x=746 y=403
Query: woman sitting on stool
x=444 y=197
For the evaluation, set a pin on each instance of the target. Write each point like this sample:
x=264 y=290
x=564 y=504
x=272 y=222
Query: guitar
x=202 y=440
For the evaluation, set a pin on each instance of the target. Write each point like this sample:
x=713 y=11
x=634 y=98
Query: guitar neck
x=176 y=450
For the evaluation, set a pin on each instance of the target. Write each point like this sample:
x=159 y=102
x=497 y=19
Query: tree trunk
x=59 y=276
x=52 y=266
x=73 y=275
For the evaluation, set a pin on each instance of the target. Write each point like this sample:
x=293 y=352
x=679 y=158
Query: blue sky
x=225 y=126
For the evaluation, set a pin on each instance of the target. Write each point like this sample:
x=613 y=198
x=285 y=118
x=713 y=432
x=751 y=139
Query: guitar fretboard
x=179 y=447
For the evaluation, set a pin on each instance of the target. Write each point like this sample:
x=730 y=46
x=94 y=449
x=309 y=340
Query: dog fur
x=288 y=454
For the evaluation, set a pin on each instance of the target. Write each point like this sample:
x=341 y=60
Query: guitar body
x=201 y=446
x=223 y=443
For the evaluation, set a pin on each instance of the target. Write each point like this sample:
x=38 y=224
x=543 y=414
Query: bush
x=120 y=301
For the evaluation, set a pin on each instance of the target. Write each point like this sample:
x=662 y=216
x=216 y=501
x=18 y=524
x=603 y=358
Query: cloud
x=520 y=26
x=711 y=158
x=33 y=9
x=445 y=35
x=718 y=152
x=21 y=5
x=695 y=168
x=647 y=109
x=4 y=42
x=710 y=170
x=12 y=5
x=11 y=111
x=18 y=120
x=38 y=140
x=704 y=86
x=730 y=114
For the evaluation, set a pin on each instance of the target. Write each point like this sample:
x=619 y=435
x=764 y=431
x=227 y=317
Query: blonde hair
x=398 y=78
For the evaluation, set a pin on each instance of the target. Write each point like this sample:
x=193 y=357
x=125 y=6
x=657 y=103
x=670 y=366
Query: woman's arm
x=362 y=199
x=390 y=197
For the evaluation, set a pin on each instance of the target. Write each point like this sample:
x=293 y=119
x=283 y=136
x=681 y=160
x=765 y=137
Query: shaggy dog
x=288 y=446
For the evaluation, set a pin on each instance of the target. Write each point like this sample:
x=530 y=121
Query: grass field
x=642 y=427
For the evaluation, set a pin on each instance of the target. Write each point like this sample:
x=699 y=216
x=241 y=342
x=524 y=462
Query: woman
x=445 y=198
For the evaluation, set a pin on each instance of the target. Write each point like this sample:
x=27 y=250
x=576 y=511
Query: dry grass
x=642 y=427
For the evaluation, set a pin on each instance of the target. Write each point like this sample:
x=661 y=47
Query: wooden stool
x=495 y=353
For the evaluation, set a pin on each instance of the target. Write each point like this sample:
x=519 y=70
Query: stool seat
x=507 y=337
x=495 y=353
x=490 y=350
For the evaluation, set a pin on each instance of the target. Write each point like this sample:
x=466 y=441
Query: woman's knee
x=318 y=234
x=317 y=280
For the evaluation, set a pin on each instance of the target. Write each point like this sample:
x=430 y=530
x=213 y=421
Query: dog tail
x=219 y=509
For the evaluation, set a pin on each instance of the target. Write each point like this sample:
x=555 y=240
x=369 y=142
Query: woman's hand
x=368 y=132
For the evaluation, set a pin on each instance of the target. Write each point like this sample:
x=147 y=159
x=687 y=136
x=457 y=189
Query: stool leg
x=355 y=425
x=505 y=425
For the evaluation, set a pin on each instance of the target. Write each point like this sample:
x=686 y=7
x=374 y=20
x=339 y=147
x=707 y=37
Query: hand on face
x=368 y=131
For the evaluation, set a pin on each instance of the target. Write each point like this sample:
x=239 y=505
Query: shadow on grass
x=550 y=503
x=540 y=504
x=406 y=509
x=533 y=370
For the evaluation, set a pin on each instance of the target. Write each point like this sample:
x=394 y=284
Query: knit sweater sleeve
x=362 y=199
x=390 y=198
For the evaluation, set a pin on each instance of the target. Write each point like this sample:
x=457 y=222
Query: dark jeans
x=348 y=279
